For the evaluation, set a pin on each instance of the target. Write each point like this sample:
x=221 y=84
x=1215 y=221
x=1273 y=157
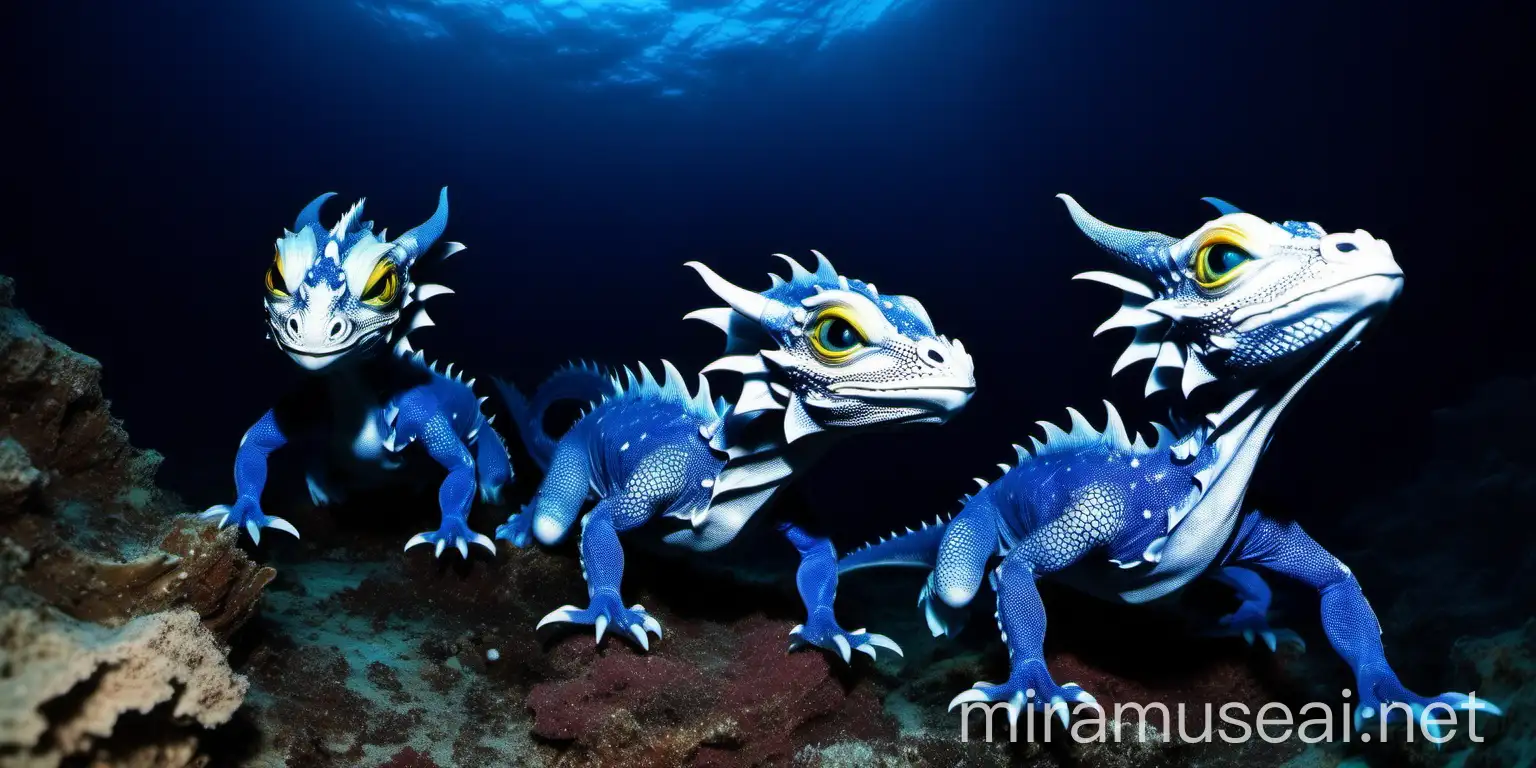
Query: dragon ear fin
x=797 y=273
x=797 y=421
x=719 y=317
x=348 y=220
x=825 y=272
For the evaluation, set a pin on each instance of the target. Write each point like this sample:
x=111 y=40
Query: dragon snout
x=947 y=358
x=1358 y=251
x=308 y=330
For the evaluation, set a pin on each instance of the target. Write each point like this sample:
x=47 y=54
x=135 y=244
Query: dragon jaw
x=339 y=293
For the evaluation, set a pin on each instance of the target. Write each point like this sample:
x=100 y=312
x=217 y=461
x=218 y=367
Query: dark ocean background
x=158 y=148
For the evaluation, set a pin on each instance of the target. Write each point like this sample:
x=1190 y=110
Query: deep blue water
x=163 y=145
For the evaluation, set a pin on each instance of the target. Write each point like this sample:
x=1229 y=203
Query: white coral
x=149 y=661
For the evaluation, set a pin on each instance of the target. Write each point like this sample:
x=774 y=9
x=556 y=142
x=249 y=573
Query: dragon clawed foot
x=518 y=529
x=943 y=619
x=246 y=512
x=455 y=534
x=607 y=611
x=821 y=631
x=1029 y=685
x=1382 y=695
x=1252 y=624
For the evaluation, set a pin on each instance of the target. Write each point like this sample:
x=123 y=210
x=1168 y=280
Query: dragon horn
x=1141 y=249
x=748 y=303
x=418 y=240
x=311 y=212
x=1222 y=206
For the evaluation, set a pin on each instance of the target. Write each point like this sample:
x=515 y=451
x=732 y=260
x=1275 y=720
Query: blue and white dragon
x=340 y=302
x=1236 y=318
x=822 y=356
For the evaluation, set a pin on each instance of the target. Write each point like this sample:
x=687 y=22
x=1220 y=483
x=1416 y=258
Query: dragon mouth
x=1337 y=304
x=930 y=396
x=315 y=359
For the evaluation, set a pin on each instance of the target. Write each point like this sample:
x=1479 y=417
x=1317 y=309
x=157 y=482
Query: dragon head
x=832 y=352
x=340 y=292
x=1241 y=300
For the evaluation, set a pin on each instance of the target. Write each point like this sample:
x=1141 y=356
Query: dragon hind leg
x=1351 y=625
x=817 y=580
x=602 y=558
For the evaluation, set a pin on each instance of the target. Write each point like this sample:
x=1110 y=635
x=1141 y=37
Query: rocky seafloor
x=132 y=634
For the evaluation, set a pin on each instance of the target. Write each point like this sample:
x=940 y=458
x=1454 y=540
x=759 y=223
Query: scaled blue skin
x=822 y=356
x=1236 y=318
x=334 y=298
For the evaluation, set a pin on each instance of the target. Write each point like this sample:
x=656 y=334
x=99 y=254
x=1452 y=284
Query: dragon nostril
x=293 y=325
x=935 y=356
x=1347 y=247
x=336 y=329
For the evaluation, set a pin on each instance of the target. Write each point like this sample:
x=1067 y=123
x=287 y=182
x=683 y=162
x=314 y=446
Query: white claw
x=1059 y=704
x=966 y=697
x=282 y=525
x=419 y=538
x=485 y=541
x=797 y=630
x=221 y=511
x=882 y=641
x=653 y=625
x=563 y=613
x=254 y=530
x=1269 y=640
x=868 y=649
x=1248 y=636
x=441 y=543
x=463 y=547
x=842 y=648
x=1015 y=706
x=640 y=636
x=601 y=626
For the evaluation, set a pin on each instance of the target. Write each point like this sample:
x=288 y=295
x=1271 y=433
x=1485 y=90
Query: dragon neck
x=1239 y=432
x=1228 y=445
x=759 y=460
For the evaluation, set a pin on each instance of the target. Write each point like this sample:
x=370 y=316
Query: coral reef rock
x=114 y=607
x=67 y=685
x=81 y=521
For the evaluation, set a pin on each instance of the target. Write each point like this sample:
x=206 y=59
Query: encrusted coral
x=65 y=684
x=113 y=611
x=79 y=512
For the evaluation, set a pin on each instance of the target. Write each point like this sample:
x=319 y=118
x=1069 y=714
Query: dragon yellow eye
x=383 y=285
x=835 y=336
x=1218 y=262
x=276 y=285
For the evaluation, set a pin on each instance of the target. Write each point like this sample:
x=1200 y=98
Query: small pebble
x=492 y=655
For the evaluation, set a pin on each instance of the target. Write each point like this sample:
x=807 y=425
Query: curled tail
x=912 y=549
x=580 y=381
